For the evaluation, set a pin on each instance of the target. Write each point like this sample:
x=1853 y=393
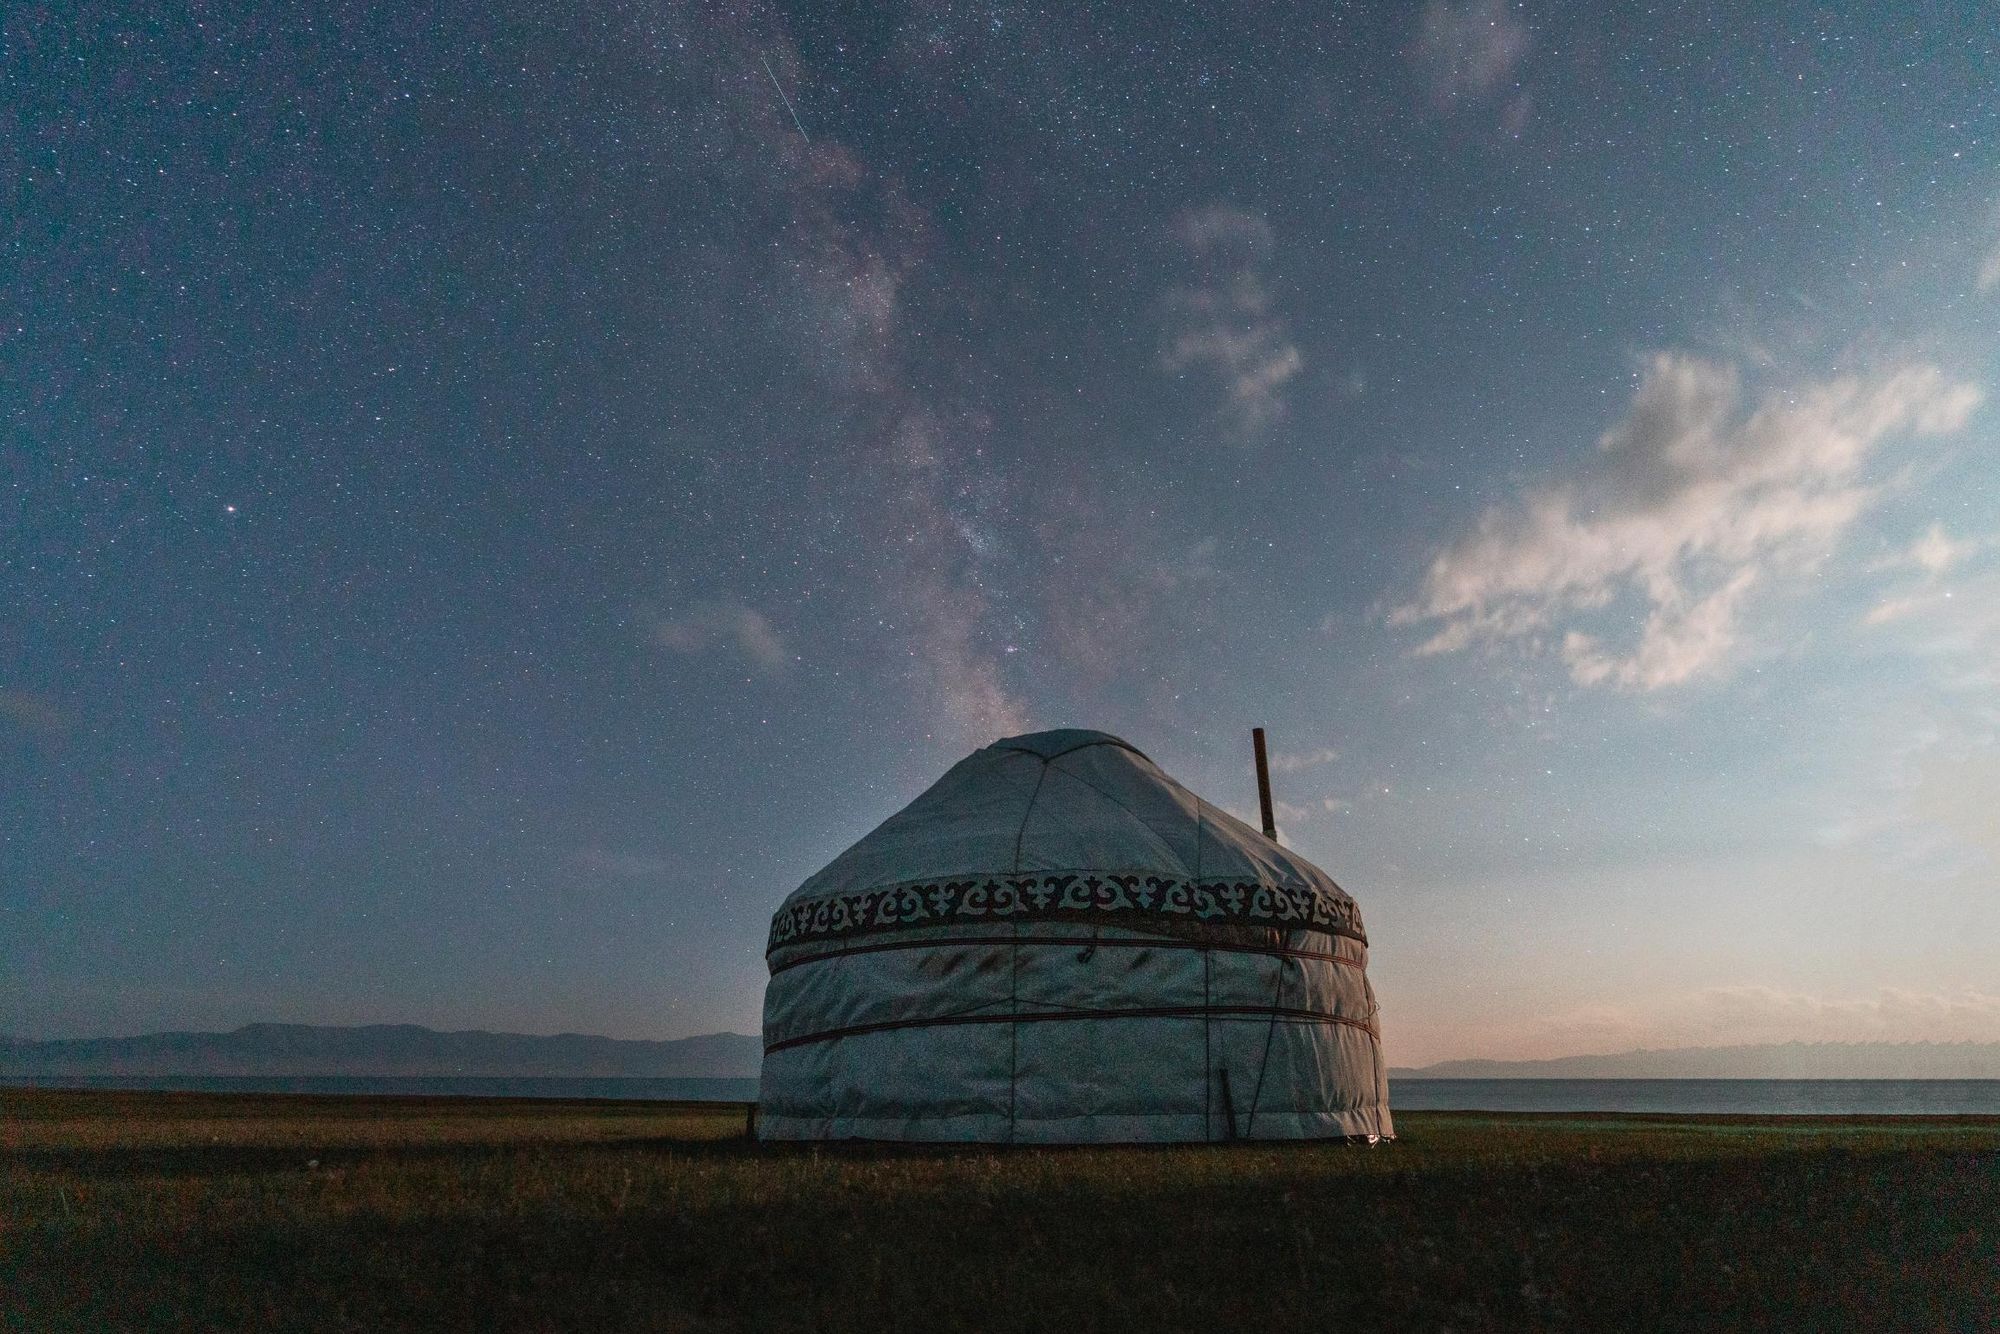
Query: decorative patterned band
x=1047 y=1017
x=1076 y=897
x=1085 y=943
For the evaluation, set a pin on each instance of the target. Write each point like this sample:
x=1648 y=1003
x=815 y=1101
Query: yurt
x=1058 y=943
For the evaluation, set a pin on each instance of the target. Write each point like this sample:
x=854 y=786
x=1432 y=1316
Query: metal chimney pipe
x=1264 y=784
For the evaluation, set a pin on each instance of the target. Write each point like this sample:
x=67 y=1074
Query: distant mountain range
x=1776 y=1060
x=384 y=1049
x=407 y=1049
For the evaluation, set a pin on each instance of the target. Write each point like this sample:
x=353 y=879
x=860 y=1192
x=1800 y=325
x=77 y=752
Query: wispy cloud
x=1732 y=1015
x=1956 y=795
x=1689 y=504
x=1946 y=613
x=1468 y=52
x=1926 y=770
x=1934 y=552
x=1930 y=558
x=1224 y=321
x=1955 y=622
x=708 y=626
x=1682 y=638
x=1989 y=263
x=1289 y=813
x=1297 y=761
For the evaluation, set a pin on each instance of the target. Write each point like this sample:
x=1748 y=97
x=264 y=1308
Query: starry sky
x=493 y=496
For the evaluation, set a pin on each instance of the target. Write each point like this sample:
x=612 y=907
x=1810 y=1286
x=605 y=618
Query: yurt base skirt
x=1170 y=1128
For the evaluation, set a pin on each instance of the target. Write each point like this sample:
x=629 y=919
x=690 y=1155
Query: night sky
x=492 y=497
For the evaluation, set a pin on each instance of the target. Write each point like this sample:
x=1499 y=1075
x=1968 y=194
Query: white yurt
x=1058 y=943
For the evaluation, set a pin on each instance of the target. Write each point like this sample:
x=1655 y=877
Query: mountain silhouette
x=384 y=1049
x=1770 y=1060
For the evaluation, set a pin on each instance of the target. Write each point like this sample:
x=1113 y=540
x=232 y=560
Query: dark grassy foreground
x=122 y=1210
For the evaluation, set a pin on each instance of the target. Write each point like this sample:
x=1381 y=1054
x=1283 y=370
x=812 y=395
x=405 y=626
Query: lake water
x=1741 y=1097
x=1770 y=1097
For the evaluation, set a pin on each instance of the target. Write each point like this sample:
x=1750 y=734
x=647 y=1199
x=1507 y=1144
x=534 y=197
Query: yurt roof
x=1061 y=801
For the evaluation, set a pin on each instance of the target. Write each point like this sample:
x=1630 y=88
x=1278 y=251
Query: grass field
x=169 y=1211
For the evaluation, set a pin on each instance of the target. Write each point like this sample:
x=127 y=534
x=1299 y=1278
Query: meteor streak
x=786 y=100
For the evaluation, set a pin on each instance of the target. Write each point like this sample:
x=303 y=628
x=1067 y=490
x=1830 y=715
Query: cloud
x=1931 y=557
x=1283 y=814
x=33 y=712
x=1989 y=265
x=1223 y=321
x=1925 y=749
x=1905 y=605
x=1218 y=225
x=1466 y=52
x=1935 y=552
x=707 y=626
x=1289 y=812
x=1689 y=504
x=1289 y=815
x=1956 y=624
x=1680 y=640
x=1297 y=761
x=1955 y=797
x=1746 y=1014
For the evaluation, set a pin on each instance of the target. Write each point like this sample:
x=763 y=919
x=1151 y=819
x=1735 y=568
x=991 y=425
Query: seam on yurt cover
x=1375 y=1018
x=1264 y=1061
x=1207 y=999
x=1028 y=810
x=1014 y=960
x=1270 y=1031
x=1050 y=1016
x=1013 y=1028
x=1101 y=739
x=1137 y=818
